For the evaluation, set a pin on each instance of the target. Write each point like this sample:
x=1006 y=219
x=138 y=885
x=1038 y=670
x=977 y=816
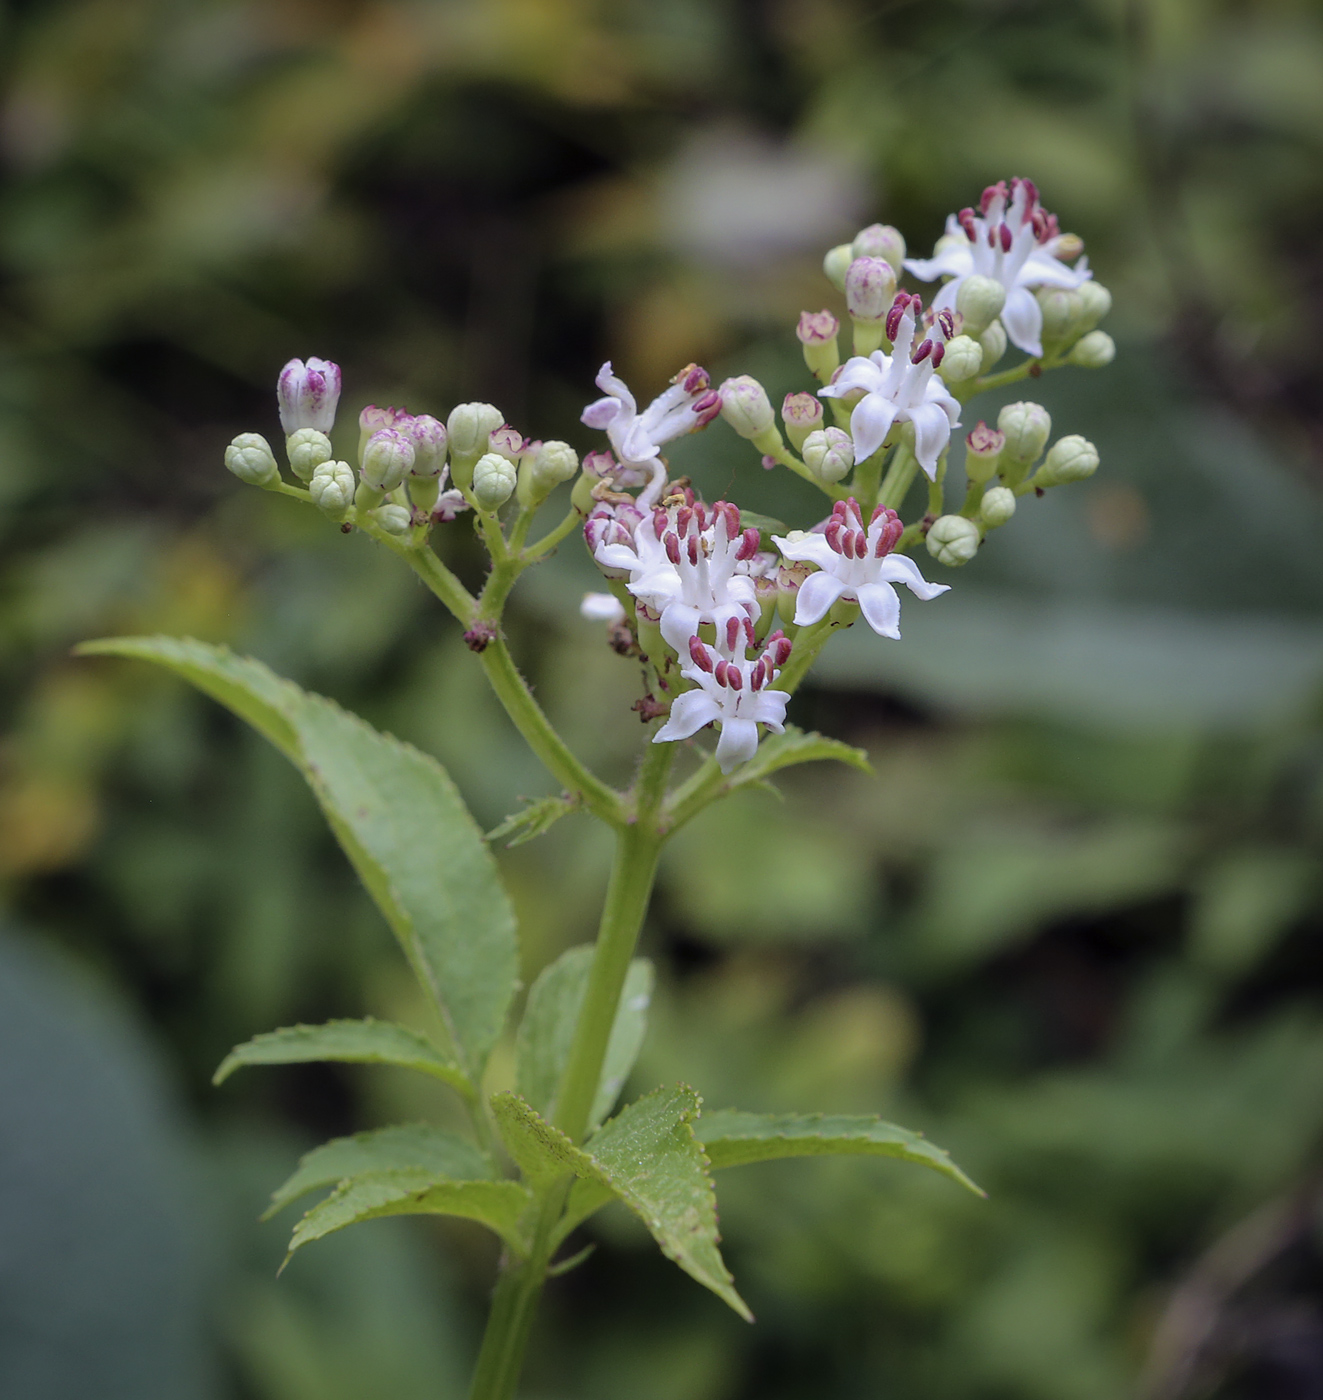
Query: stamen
x=672 y=543
x=732 y=633
x=749 y=544
x=1007 y=238
x=700 y=655
x=921 y=354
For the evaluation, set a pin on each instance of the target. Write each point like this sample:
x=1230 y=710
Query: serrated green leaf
x=400 y=821
x=366 y=1042
x=496 y=1204
x=732 y=1139
x=647 y=1157
x=547 y=1031
x=532 y=820
x=408 y=1146
x=795 y=746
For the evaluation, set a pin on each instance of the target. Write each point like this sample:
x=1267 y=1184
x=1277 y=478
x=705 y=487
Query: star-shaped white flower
x=732 y=693
x=901 y=386
x=858 y=565
x=1015 y=242
x=683 y=563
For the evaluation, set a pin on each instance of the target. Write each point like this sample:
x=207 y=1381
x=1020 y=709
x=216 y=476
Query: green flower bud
x=983 y=447
x=953 y=540
x=395 y=520
x=962 y=360
x=1072 y=458
x=746 y=407
x=870 y=288
x=993 y=341
x=307 y=449
x=250 y=458
x=1095 y=302
x=1027 y=427
x=387 y=459
x=829 y=454
x=542 y=471
x=880 y=241
x=980 y=300
x=494 y=480
x=1093 y=351
x=468 y=430
x=1061 y=310
x=332 y=488
x=817 y=331
x=837 y=263
x=802 y=415
x=997 y=506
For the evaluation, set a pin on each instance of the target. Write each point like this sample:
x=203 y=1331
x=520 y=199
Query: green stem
x=788 y=459
x=867 y=475
x=899 y=478
x=550 y=540
x=1026 y=369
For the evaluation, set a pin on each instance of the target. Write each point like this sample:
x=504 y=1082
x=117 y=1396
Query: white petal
x=1042 y=270
x=608 y=382
x=810 y=549
x=689 y=713
x=601 y=414
x=1023 y=318
x=881 y=609
x=738 y=742
x=769 y=708
x=816 y=594
x=945 y=299
x=932 y=431
x=679 y=622
x=601 y=607
x=859 y=372
x=900 y=568
x=617 y=556
x=870 y=423
x=950 y=262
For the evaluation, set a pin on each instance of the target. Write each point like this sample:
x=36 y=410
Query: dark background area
x=1070 y=928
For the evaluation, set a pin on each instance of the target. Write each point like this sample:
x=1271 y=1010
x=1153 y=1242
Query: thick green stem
x=899 y=477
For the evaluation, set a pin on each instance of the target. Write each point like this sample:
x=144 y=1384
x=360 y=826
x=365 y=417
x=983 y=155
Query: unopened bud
x=395 y=520
x=997 y=506
x=837 y=263
x=308 y=394
x=509 y=442
x=428 y=436
x=980 y=300
x=953 y=540
x=542 y=471
x=307 y=450
x=745 y=406
x=494 y=479
x=829 y=454
x=870 y=288
x=1095 y=302
x=1026 y=427
x=983 y=452
x=802 y=414
x=373 y=419
x=1093 y=351
x=817 y=332
x=789 y=580
x=963 y=358
x=880 y=241
x=386 y=460
x=332 y=488
x=1072 y=458
x=1061 y=310
x=250 y=458
x=993 y=341
x=470 y=427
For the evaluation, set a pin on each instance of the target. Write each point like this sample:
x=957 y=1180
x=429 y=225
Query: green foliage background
x=1071 y=926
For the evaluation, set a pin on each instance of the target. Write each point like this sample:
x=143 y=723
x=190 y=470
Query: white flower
x=732 y=693
x=308 y=395
x=684 y=564
x=1019 y=247
x=602 y=607
x=901 y=385
x=857 y=565
x=690 y=403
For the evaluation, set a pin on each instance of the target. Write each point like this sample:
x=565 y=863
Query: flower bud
x=870 y=288
x=395 y=520
x=542 y=471
x=993 y=341
x=837 y=263
x=428 y=436
x=745 y=406
x=1093 y=351
x=332 y=488
x=250 y=458
x=374 y=419
x=829 y=454
x=307 y=450
x=307 y=395
x=1061 y=310
x=1072 y=458
x=802 y=414
x=817 y=331
x=980 y=300
x=983 y=452
x=386 y=459
x=789 y=579
x=494 y=480
x=1026 y=427
x=997 y=506
x=470 y=427
x=962 y=359
x=1095 y=302
x=880 y=241
x=953 y=540
x=509 y=442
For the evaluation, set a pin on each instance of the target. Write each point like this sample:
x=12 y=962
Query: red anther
x=682 y=518
x=888 y=533
x=696 y=379
x=1007 y=238
x=749 y=544
x=700 y=514
x=734 y=677
x=921 y=354
x=832 y=534
x=748 y=630
x=707 y=408
x=700 y=655
x=693 y=550
x=1051 y=229
x=732 y=633
x=732 y=513
x=947 y=322
x=993 y=192
x=721 y=670
x=938 y=351
x=847 y=543
x=757 y=675
x=672 y=543
x=778 y=648
x=1031 y=190
x=898 y=309
x=966 y=220
x=659 y=522
x=840 y=508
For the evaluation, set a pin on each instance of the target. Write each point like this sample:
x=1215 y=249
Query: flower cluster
x=696 y=589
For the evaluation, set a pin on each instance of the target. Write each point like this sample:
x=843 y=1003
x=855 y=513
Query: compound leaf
x=732 y=1138
x=408 y=1146
x=401 y=823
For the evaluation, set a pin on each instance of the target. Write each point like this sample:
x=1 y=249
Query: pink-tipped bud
x=802 y=415
x=817 y=327
x=600 y=464
x=428 y=436
x=983 y=447
x=870 y=284
x=745 y=406
x=308 y=395
x=508 y=442
x=387 y=459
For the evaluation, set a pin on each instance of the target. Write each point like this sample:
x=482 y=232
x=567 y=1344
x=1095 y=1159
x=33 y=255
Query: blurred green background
x=1071 y=928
